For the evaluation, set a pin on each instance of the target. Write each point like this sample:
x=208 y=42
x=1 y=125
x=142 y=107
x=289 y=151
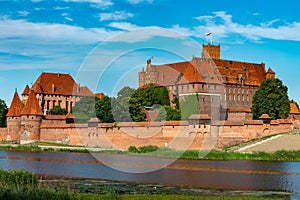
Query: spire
x=26 y=90
x=15 y=107
x=270 y=74
x=32 y=106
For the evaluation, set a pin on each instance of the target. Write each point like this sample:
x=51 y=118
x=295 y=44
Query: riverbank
x=281 y=155
x=25 y=185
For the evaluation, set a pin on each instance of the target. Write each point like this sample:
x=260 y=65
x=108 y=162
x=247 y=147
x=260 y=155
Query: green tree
x=85 y=109
x=103 y=110
x=136 y=105
x=162 y=95
x=168 y=113
x=57 y=110
x=271 y=98
x=3 y=112
x=189 y=105
x=120 y=105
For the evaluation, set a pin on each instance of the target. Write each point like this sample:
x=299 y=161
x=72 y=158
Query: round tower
x=13 y=118
x=31 y=118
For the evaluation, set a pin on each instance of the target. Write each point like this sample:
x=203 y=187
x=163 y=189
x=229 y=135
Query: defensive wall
x=172 y=134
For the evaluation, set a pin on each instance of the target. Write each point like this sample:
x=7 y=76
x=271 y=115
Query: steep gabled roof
x=213 y=71
x=60 y=84
x=294 y=109
x=264 y=116
x=32 y=106
x=201 y=71
x=100 y=95
x=15 y=107
x=270 y=71
x=26 y=90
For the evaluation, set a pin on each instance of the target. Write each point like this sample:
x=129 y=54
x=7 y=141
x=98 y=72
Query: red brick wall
x=3 y=134
x=178 y=137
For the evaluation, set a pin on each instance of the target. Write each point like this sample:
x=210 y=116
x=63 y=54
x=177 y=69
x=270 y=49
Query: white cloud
x=222 y=26
x=139 y=1
x=100 y=3
x=135 y=33
x=51 y=33
x=123 y=26
x=23 y=13
x=115 y=16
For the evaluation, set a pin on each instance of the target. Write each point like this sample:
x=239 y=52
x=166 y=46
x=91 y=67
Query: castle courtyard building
x=56 y=89
x=223 y=86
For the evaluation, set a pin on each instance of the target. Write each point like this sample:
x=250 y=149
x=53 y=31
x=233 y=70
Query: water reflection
x=233 y=175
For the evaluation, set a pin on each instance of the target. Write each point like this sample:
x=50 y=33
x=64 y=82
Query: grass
x=21 y=148
x=170 y=153
x=20 y=185
x=166 y=197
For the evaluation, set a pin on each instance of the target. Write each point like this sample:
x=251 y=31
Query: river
x=225 y=175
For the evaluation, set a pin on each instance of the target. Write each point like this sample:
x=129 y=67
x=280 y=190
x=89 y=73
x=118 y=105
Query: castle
x=56 y=89
x=223 y=86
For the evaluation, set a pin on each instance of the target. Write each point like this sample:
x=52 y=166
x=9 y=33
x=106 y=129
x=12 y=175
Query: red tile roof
x=15 y=107
x=32 y=106
x=252 y=73
x=70 y=116
x=199 y=116
x=270 y=71
x=264 y=116
x=210 y=71
x=239 y=110
x=294 y=109
x=26 y=90
x=61 y=84
x=99 y=95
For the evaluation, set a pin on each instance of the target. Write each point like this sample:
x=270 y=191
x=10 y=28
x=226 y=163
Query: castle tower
x=25 y=93
x=270 y=74
x=13 y=118
x=211 y=51
x=142 y=78
x=31 y=118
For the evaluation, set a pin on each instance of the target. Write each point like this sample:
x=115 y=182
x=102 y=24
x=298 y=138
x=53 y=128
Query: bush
x=18 y=178
x=144 y=149
x=133 y=149
x=148 y=149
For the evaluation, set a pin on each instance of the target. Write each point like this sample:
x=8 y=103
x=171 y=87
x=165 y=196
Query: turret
x=31 y=118
x=270 y=74
x=211 y=51
x=13 y=118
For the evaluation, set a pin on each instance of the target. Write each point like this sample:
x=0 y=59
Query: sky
x=104 y=43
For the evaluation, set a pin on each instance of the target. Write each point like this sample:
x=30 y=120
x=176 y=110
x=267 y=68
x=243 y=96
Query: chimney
x=78 y=88
x=53 y=87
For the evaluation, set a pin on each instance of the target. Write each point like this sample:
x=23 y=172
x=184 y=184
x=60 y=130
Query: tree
x=162 y=95
x=189 y=106
x=57 y=110
x=3 y=112
x=136 y=105
x=120 y=105
x=168 y=113
x=103 y=110
x=85 y=109
x=271 y=98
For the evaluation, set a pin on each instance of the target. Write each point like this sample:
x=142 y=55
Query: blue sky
x=118 y=36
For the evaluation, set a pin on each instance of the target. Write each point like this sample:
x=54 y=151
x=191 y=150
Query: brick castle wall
x=177 y=136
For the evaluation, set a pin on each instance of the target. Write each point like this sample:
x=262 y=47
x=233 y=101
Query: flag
x=208 y=34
